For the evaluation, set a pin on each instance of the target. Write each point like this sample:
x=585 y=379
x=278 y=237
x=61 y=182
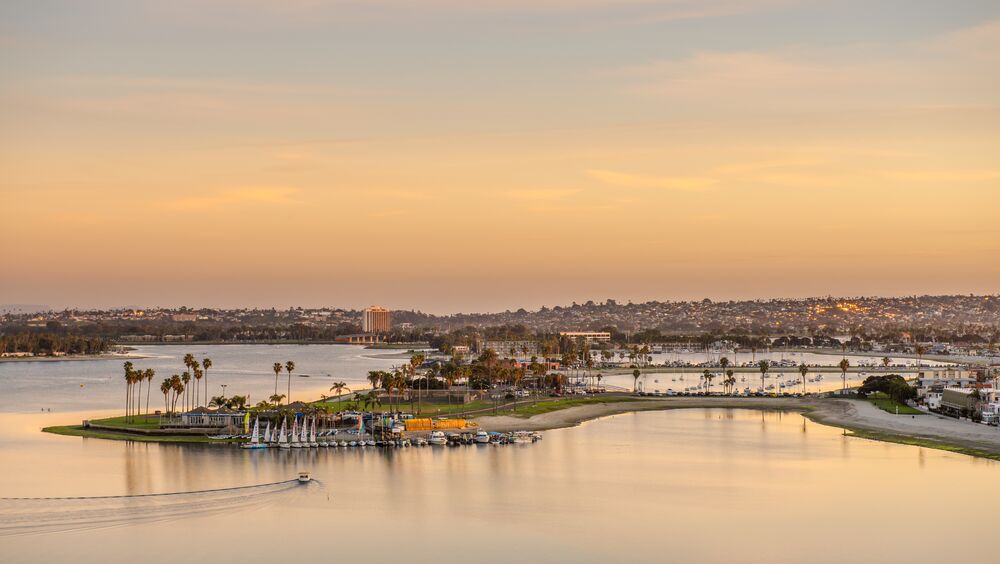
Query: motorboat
x=522 y=437
x=438 y=438
x=482 y=437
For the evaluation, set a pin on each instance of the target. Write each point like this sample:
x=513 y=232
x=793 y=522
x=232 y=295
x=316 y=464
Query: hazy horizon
x=493 y=155
x=406 y=307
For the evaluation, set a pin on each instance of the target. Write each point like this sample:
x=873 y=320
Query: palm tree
x=375 y=377
x=724 y=363
x=128 y=386
x=844 y=365
x=191 y=363
x=886 y=361
x=635 y=380
x=764 y=366
x=185 y=378
x=148 y=373
x=339 y=387
x=165 y=390
x=920 y=350
x=415 y=362
x=709 y=376
x=137 y=377
x=277 y=371
x=276 y=398
x=198 y=375
x=803 y=370
x=206 y=363
x=730 y=380
x=289 y=366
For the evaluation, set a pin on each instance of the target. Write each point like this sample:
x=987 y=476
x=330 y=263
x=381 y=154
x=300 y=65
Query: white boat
x=267 y=434
x=282 y=439
x=522 y=437
x=312 y=434
x=304 y=433
x=255 y=437
x=295 y=434
x=342 y=443
x=438 y=438
x=482 y=437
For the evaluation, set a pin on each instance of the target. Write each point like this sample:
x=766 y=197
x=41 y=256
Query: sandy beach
x=855 y=415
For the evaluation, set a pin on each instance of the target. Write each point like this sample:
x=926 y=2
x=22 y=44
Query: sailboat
x=295 y=434
x=304 y=433
x=255 y=437
x=312 y=434
x=267 y=433
x=282 y=439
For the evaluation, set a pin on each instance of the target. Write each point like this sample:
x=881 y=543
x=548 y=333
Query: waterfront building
x=376 y=319
x=937 y=379
x=503 y=347
x=589 y=336
x=203 y=417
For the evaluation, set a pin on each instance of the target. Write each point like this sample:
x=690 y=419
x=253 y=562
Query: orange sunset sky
x=478 y=156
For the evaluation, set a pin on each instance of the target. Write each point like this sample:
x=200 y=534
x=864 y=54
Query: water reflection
x=634 y=487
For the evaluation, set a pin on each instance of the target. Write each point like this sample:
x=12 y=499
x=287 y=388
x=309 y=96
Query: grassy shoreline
x=578 y=410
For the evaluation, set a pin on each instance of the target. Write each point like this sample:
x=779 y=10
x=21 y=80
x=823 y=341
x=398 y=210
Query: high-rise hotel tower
x=376 y=320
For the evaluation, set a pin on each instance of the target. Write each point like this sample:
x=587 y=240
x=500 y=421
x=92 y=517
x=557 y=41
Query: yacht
x=482 y=437
x=438 y=438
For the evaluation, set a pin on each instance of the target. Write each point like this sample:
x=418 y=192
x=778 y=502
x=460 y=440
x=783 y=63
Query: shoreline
x=859 y=417
x=71 y=358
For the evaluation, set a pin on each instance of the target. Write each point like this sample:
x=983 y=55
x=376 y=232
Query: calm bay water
x=685 y=485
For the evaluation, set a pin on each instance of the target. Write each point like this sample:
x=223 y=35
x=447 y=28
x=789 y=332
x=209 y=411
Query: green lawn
x=134 y=422
x=422 y=409
x=547 y=406
x=885 y=403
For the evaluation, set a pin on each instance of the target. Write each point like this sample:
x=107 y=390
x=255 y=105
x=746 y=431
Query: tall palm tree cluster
x=178 y=386
x=277 y=367
x=133 y=389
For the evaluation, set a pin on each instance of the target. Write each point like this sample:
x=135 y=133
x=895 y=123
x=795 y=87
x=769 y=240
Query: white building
x=589 y=336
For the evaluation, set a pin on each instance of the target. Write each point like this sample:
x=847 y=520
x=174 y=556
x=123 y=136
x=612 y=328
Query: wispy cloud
x=542 y=194
x=252 y=195
x=944 y=176
x=680 y=183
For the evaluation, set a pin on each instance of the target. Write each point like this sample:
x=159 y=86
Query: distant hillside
x=23 y=308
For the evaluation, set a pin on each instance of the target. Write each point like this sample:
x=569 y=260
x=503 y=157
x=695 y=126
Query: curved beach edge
x=859 y=417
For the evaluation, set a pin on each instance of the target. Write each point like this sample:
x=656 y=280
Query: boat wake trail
x=31 y=515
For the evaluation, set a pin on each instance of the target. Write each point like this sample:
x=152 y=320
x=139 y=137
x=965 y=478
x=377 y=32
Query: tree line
x=43 y=344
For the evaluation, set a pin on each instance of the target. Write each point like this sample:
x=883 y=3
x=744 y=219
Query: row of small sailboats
x=302 y=435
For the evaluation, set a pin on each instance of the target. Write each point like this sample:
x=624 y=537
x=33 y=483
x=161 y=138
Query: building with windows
x=589 y=336
x=522 y=348
x=376 y=319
